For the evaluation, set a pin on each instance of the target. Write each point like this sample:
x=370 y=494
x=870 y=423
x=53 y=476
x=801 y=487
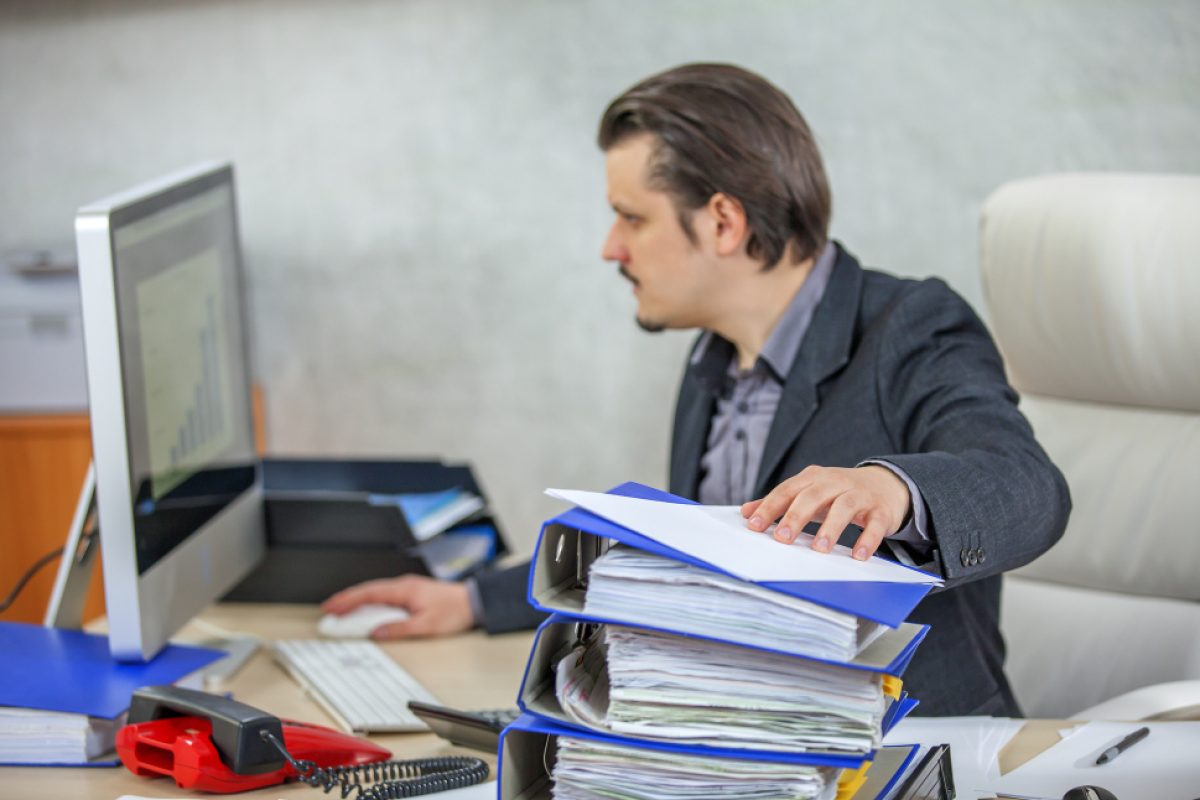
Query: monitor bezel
x=145 y=609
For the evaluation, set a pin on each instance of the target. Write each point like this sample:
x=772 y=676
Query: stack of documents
x=444 y=524
x=431 y=513
x=628 y=584
x=644 y=683
x=690 y=657
x=35 y=737
x=594 y=770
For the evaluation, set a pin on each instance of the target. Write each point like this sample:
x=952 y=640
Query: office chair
x=1093 y=287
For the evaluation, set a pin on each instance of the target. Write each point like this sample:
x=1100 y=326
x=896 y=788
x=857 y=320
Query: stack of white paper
x=29 y=736
x=642 y=588
x=591 y=770
x=654 y=685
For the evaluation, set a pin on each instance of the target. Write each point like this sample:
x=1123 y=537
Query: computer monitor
x=177 y=482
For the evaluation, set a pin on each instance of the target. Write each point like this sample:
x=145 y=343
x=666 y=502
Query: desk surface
x=471 y=671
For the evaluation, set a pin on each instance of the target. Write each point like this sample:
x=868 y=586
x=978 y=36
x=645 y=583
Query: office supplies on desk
x=458 y=552
x=358 y=623
x=214 y=744
x=1123 y=745
x=431 y=513
x=362 y=688
x=930 y=779
x=479 y=730
x=1163 y=760
x=71 y=676
x=340 y=522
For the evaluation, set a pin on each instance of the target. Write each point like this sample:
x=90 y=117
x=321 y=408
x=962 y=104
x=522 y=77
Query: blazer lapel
x=696 y=408
x=826 y=349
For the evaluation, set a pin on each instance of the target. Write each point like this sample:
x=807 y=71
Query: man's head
x=730 y=156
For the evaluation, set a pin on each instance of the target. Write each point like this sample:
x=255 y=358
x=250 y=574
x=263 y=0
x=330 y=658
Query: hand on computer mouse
x=1089 y=793
x=435 y=608
x=360 y=622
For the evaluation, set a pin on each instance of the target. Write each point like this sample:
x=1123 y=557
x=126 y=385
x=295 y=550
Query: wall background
x=422 y=204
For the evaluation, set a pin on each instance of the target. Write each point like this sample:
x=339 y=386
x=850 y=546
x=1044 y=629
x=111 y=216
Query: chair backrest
x=1093 y=289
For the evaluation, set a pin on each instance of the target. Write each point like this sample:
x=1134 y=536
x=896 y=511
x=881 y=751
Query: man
x=817 y=390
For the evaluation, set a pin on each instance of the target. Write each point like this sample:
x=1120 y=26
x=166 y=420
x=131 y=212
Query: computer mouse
x=1089 y=793
x=359 y=623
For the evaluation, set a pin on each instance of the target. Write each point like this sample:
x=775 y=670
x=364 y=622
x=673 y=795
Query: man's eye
x=632 y=219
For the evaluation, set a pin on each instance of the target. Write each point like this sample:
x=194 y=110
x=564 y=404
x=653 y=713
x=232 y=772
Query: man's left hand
x=872 y=497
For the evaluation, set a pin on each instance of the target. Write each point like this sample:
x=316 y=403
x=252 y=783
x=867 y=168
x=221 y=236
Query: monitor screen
x=179 y=501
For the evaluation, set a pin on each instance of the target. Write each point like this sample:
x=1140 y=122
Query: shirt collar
x=715 y=357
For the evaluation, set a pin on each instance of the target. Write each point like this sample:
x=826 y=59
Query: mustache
x=625 y=274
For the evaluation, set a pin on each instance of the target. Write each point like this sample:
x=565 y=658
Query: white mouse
x=359 y=623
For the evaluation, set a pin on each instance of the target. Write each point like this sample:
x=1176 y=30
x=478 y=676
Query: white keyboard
x=356 y=682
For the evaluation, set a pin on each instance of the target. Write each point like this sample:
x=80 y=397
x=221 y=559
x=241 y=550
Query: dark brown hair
x=720 y=128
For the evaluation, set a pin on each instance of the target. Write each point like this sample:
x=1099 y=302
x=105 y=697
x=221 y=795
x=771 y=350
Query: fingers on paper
x=835 y=497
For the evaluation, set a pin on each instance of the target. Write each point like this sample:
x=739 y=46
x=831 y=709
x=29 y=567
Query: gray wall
x=423 y=206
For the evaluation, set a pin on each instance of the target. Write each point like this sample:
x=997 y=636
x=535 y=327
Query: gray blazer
x=901 y=370
x=904 y=370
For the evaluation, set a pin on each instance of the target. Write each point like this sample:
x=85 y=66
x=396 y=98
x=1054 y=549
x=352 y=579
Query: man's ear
x=729 y=223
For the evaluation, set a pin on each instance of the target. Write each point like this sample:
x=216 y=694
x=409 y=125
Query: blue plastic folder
x=886 y=603
x=51 y=669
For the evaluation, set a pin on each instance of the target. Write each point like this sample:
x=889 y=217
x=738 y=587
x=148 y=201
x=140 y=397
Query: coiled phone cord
x=391 y=779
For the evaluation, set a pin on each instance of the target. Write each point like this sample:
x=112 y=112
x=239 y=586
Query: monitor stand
x=65 y=609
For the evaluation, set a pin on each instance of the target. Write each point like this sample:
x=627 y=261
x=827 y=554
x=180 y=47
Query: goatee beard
x=649 y=326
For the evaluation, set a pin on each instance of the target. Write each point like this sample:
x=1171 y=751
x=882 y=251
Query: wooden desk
x=471 y=671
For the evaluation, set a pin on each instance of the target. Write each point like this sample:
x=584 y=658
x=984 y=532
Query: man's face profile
x=671 y=277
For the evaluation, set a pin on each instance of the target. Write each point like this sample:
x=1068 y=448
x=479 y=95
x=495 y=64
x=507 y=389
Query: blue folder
x=886 y=603
x=51 y=669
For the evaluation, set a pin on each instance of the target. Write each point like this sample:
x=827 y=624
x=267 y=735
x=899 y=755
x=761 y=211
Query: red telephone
x=214 y=744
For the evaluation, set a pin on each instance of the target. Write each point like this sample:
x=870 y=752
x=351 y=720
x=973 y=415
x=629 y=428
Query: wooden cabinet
x=43 y=459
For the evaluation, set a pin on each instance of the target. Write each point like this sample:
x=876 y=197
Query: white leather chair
x=1093 y=289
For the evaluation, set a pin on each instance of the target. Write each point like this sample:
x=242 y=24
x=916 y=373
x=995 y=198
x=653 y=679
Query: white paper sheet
x=1163 y=766
x=975 y=743
x=718 y=535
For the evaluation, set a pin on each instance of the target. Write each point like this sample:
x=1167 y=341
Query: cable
x=24 y=579
x=392 y=779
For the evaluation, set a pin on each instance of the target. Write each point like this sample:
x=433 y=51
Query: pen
x=1123 y=745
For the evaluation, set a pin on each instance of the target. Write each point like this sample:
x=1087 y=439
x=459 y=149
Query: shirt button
x=743 y=407
x=740 y=435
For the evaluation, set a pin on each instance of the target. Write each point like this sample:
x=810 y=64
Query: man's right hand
x=436 y=608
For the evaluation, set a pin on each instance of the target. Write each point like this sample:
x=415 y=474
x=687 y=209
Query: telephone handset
x=214 y=744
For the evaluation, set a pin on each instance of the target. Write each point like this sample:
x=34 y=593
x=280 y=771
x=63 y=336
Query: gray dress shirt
x=747 y=401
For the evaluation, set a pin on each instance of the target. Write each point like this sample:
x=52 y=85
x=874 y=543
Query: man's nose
x=614 y=249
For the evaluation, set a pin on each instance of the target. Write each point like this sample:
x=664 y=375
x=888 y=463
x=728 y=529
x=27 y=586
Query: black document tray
x=323 y=535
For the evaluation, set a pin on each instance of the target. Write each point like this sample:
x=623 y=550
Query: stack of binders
x=667 y=670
